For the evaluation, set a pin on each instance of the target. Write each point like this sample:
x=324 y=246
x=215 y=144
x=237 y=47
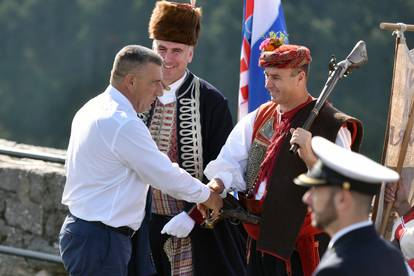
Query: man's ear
x=129 y=80
x=302 y=76
x=343 y=199
x=190 y=54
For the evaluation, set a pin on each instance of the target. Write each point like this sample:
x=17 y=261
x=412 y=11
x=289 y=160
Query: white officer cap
x=342 y=167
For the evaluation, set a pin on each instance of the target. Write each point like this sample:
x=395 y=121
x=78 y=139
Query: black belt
x=124 y=230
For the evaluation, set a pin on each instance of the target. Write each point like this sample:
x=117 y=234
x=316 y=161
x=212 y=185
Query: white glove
x=179 y=226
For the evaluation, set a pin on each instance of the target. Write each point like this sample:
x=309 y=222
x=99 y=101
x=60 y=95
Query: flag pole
x=396 y=27
x=399 y=29
x=385 y=26
x=401 y=158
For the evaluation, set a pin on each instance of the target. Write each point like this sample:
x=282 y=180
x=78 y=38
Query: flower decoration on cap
x=275 y=53
x=274 y=41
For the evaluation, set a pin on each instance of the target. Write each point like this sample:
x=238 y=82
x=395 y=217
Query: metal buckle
x=133 y=233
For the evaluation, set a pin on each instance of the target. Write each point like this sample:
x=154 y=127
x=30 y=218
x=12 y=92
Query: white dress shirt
x=111 y=160
x=230 y=164
x=169 y=96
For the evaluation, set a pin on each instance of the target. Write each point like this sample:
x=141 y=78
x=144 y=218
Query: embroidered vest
x=283 y=210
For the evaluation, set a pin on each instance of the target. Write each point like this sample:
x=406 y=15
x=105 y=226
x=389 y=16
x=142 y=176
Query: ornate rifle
x=233 y=211
x=355 y=59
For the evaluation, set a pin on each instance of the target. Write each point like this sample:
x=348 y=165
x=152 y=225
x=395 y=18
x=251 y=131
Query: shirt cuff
x=205 y=194
x=226 y=178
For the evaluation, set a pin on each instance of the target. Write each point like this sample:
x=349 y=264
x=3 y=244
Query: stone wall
x=30 y=211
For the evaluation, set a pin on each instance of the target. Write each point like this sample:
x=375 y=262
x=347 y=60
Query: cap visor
x=306 y=181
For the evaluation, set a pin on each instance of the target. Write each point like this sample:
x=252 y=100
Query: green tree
x=55 y=55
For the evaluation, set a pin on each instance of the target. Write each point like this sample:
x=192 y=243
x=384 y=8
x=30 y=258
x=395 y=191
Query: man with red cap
x=256 y=162
x=190 y=123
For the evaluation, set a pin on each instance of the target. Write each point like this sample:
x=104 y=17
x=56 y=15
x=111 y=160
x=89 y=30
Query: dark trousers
x=90 y=249
x=262 y=264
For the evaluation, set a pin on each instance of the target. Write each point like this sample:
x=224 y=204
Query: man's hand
x=302 y=138
x=399 y=197
x=179 y=226
x=216 y=185
x=214 y=202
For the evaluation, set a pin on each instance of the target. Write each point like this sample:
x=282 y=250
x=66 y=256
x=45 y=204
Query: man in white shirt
x=190 y=123
x=255 y=161
x=342 y=184
x=111 y=161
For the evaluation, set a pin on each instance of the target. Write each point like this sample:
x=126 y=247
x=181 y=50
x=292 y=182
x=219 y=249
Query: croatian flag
x=260 y=18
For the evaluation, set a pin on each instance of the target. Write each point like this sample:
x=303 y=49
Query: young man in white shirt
x=255 y=161
x=190 y=123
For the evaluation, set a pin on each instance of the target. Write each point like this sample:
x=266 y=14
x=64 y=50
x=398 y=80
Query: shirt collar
x=169 y=96
x=119 y=98
x=348 y=229
x=289 y=114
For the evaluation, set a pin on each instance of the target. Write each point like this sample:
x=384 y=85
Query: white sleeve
x=409 y=270
x=343 y=138
x=230 y=164
x=135 y=147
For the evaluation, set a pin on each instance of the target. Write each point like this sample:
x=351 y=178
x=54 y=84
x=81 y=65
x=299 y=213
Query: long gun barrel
x=355 y=59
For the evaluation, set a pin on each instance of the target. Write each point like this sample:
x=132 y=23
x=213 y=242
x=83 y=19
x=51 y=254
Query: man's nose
x=268 y=83
x=167 y=57
x=160 y=89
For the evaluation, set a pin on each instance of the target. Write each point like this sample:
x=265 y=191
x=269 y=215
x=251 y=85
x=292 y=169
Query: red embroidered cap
x=285 y=56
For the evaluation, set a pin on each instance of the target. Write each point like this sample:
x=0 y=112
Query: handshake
x=214 y=202
x=181 y=225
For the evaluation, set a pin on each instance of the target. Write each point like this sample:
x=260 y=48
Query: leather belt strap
x=124 y=230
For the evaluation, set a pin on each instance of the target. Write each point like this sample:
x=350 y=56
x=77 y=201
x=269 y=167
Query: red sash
x=306 y=245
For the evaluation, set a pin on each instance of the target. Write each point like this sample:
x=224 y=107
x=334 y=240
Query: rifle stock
x=233 y=211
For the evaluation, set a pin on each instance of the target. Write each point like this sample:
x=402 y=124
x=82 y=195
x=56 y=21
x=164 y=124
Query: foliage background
x=55 y=55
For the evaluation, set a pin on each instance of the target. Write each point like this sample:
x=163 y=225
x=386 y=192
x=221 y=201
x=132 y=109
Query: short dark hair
x=132 y=57
x=304 y=68
x=363 y=201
